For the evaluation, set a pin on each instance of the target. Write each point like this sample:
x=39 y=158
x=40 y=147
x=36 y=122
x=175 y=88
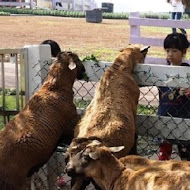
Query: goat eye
x=86 y=157
x=84 y=163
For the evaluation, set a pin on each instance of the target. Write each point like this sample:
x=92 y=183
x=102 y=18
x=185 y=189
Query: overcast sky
x=138 y=5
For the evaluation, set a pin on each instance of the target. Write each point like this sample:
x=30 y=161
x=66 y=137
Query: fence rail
x=136 y=22
x=153 y=75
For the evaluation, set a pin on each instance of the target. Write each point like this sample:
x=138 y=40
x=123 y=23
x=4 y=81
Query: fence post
x=92 y=4
x=37 y=63
x=73 y=5
x=53 y=4
x=31 y=4
x=134 y=29
x=83 y=4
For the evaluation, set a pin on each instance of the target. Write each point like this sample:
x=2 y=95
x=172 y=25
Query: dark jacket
x=171 y=103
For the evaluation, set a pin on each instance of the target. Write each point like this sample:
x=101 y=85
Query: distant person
x=176 y=13
x=175 y=102
x=55 y=49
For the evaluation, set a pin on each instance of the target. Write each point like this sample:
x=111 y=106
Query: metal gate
x=12 y=82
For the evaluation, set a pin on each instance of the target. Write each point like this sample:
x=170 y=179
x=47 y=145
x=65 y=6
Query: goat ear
x=144 y=49
x=93 y=155
x=72 y=65
x=116 y=149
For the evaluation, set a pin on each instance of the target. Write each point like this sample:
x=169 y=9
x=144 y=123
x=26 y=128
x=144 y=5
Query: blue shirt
x=171 y=103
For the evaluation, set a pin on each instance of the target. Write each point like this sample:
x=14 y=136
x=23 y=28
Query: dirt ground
x=71 y=33
x=103 y=40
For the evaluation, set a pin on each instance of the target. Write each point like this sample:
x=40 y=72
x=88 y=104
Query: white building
x=80 y=5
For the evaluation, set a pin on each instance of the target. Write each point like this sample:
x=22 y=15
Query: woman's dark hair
x=55 y=49
x=177 y=41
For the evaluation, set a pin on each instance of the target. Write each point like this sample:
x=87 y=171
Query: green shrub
x=5 y=13
x=80 y=14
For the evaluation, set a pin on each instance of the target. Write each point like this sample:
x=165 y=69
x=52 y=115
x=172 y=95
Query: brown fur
x=30 y=138
x=138 y=162
x=112 y=112
x=111 y=174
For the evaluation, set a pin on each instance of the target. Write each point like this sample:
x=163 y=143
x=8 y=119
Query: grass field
x=104 y=40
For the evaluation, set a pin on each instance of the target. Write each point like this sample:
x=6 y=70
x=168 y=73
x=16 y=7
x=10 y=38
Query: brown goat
x=112 y=112
x=98 y=162
x=138 y=162
x=29 y=140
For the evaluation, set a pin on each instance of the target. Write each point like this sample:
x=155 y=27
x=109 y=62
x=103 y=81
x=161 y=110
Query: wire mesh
x=175 y=130
x=153 y=129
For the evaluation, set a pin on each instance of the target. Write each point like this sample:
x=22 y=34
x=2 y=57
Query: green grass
x=147 y=110
x=106 y=54
x=10 y=103
x=82 y=104
x=1 y=122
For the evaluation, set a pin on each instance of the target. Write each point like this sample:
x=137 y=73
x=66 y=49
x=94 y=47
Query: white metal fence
x=12 y=72
x=36 y=62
